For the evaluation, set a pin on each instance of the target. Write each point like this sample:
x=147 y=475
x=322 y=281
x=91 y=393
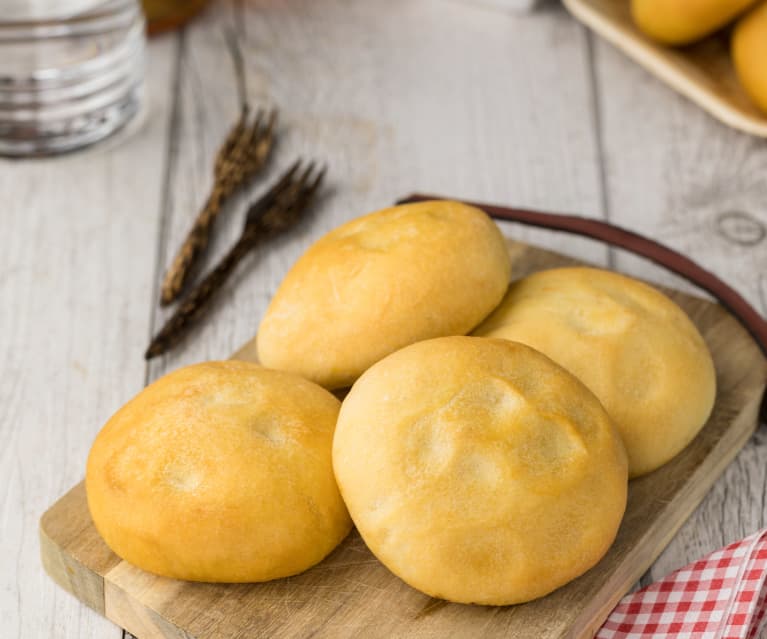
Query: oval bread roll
x=219 y=472
x=479 y=471
x=381 y=282
x=749 y=54
x=678 y=22
x=631 y=345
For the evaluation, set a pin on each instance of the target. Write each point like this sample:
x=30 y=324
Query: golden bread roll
x=749 y=54
x=679 y=22
x=478 y=470
x=630 y=344
x=219 y=472
x=381 y=282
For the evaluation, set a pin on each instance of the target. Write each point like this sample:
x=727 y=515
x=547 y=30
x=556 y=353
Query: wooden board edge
x=73 y=576
x=660 y=535
x=247 y=352
x=126 y=608
x=646 y=55
x=136 y=617
x=143 y=621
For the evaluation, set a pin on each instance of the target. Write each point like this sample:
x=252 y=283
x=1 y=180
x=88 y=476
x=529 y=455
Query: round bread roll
x=479 y=471
x=630 y=344
x=219 y=472
x=381 y=282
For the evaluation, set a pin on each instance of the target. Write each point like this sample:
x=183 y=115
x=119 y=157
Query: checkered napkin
x=723 y=596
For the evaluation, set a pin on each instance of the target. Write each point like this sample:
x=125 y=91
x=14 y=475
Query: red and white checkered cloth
x=723 y=596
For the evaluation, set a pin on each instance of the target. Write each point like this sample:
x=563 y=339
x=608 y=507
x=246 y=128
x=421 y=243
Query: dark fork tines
x=242 y=155
x=246 y=146
x=277 y=210
x=288 y=198
x=249 y=141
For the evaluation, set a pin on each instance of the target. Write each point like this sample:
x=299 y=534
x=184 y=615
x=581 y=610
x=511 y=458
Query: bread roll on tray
x=219 y=472
x=381 y=282
x=479 y=471
x=630 y=344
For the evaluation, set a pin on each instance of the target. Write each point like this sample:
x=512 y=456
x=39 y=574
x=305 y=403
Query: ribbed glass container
x=71 y=73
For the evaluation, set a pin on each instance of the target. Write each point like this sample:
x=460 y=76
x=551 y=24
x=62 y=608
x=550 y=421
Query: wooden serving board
x=702 y=72
x=351 y=594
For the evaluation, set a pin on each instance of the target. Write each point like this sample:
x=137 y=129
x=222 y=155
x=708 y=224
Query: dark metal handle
x=195 y=304
x=640 y=245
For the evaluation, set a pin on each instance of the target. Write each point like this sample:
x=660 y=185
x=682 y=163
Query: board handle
x=640 y=245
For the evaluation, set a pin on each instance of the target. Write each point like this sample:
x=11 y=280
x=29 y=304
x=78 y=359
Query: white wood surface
x=675 y=173
x=77 y=260
x=429 y=95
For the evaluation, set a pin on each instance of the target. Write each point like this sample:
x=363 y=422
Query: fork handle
x=194 y=245
x=196 y=303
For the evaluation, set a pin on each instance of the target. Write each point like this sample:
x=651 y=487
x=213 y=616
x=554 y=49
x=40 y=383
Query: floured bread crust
x=631 y=345
x=381 y=282
x=219 y=472
x=479 y=471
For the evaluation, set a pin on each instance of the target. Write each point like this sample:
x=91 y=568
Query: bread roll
x=749 y=54
x=381 y=282
x=680 y=22
x=219 y=472
x=478 y=470
x=630 y=344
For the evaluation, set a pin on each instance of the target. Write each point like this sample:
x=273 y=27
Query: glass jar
x=71 y=72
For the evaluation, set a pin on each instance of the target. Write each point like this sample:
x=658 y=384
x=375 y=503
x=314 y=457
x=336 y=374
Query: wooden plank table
x=430 y=95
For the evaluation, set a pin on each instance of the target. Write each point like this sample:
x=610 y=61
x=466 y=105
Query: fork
x=242 y=155
x=276 y=211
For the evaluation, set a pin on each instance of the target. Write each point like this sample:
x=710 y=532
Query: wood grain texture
x=675 y=173
x=372 y=93
x=75 y=267
x=702 y=72
x=82 y=232
x=398 y=96
x=351 y=594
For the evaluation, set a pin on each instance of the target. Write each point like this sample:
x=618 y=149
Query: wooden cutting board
x=702 y=72
x=351 y=594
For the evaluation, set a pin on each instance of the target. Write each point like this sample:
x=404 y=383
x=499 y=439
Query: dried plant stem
x=278 y=210
x=242 y=155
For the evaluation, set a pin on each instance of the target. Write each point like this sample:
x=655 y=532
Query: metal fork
x=276 y=211
x=241 y=156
